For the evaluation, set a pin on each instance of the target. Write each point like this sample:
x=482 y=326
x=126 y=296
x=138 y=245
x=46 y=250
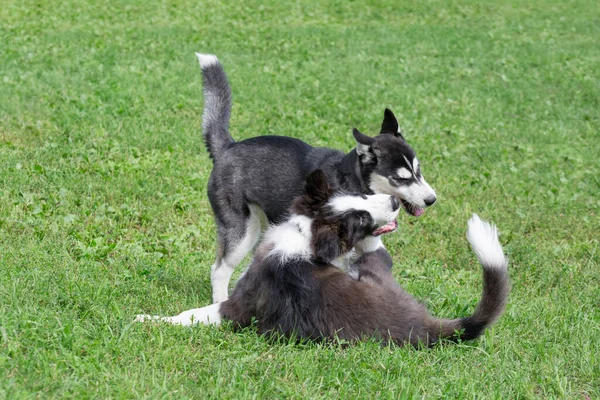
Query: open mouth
x=387 y=228
x=415 y=211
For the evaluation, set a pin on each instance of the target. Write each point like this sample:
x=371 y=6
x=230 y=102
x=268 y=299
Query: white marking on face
x=408 y=162
x=415 y=193
x=404 y=173
x=415 y=166
x=378 y=205
x=290 y=239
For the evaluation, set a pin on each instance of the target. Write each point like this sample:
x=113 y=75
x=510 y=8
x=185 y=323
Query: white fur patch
x=381 y=184
x=415 y=193
x=369 y=244
x=207 y=60
x=378 y=205
x=483 y=238
x=303 y=222
x=415 y=166
x=290 y=239
x=209 y=315
x=404 y=173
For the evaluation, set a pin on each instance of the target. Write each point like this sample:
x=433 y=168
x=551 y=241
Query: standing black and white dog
x=261 y=176
x=292 y=288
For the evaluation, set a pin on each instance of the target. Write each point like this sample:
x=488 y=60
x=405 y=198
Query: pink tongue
x=418 y=211
x=387 y=228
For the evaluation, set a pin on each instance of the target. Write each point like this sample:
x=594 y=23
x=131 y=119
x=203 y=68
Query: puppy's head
x=390 y=166
x=340 y=220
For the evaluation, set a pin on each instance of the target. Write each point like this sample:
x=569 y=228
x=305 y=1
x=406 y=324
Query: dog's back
x=268 y=171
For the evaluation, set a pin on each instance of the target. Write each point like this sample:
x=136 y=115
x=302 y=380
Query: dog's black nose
x=430 y=200
x=395 y=203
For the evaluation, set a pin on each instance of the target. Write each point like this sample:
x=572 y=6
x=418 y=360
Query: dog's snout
x=395 y=203
x=430 y=200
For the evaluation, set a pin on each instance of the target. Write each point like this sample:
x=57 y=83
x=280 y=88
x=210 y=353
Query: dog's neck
x=290 y=239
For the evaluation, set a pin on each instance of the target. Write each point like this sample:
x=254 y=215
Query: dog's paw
x=353 y=272
x=145 y=318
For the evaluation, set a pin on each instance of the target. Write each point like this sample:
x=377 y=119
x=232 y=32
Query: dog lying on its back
x=261 y=176
x=292 y=288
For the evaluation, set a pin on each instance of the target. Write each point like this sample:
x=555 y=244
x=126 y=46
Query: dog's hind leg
x=236 y=239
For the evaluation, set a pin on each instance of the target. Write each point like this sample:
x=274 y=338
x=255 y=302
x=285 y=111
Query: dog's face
x=340 y=220
x=391 y=166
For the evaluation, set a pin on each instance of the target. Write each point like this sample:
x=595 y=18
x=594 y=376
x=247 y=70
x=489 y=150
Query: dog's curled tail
x=217 y=105
x=483 y=238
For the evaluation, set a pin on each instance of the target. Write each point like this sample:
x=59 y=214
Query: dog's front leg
x=209 y=315
x=368 y=245
x=374 y=263
x=375 y=267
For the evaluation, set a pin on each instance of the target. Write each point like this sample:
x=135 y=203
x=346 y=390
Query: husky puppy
x=261 y=176
x=292 y=289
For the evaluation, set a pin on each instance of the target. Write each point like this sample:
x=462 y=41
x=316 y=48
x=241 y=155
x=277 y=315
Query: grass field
x=103 y=208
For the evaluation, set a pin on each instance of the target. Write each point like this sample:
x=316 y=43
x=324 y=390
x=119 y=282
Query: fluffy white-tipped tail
x=483 y=238
x=217 y=105
x=207 y=60
x=484 y=241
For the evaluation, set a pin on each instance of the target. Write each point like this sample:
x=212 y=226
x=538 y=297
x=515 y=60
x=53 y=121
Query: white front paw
x=143 y=318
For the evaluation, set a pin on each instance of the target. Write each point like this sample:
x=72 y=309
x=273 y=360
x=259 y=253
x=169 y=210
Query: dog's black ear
x=326 y=244
x=363 y=145
x=317 y=187
x=390 y=124
x=361 y=138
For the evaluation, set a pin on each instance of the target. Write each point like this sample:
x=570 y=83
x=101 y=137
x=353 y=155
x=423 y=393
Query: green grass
x=103 y=208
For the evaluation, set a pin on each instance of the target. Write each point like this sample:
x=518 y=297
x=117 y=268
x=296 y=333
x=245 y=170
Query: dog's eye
x=396 y=180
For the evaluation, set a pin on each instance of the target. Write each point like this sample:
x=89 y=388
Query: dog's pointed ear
x=390 y=124
x=317 y=186
x=326 y=244
x=363 y=145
